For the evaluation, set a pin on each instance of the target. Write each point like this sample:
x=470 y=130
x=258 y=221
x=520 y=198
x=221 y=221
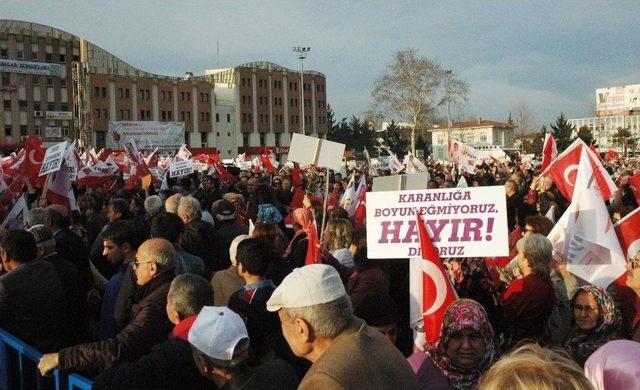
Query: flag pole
x=326 y=200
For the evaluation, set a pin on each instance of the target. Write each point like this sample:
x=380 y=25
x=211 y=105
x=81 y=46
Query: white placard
x=53 y=158
x=307 y=150
x=462 y=222
x=414 y=181
x=180 y=168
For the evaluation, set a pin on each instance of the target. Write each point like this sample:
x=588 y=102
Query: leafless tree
x=522 y=117
x=413 y=89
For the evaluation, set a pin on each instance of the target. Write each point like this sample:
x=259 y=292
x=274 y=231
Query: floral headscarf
x=580 y=343
x=463 y=314
x=269 y=213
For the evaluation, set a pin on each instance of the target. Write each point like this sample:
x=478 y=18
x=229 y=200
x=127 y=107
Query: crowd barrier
x=19 y=369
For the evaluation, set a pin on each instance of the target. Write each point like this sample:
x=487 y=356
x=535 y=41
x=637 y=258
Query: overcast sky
x=550 y=55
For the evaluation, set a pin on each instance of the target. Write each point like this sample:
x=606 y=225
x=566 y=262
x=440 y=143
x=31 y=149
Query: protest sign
x=17 y=217
x=463 y=222
x=53 y=158
x=382 y=163
x=416 y=181
x=307 y=150
x=180 y=168
x=463 y=156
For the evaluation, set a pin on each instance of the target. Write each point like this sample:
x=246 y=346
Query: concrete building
x=481 y=134
x=61 y=86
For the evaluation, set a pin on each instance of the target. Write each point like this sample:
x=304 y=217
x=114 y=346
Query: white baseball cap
x=307 y=286
x=216 y=332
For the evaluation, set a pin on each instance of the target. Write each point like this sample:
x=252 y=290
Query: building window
x=228 y=118
x=217 y=117
x=169 y=116
x=7 y=105
x=51 y=106
x=164 y=115
x=48 y=57
x=22 y=79
x=203 y=140
x=49 y=81
x=277 y=139
x=228 y=134
x=182 y=96
x=120 y=93
x=35 y=81
x=126 y=93
x=36 y=106
x=262 y=139
x=7 y=131
x=245 y=138
x=4 y=53
x=148 y=115
x=104 y=92
x=23 y=130
x=244 y=115
x=104 y=113
x=64 y=107
x=63 y=58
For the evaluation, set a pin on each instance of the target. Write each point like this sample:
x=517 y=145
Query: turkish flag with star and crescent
x=564 y=169
x=628 y=232
x=437 y=291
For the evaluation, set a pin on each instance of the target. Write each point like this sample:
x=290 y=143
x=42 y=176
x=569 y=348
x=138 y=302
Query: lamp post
x=302 y=54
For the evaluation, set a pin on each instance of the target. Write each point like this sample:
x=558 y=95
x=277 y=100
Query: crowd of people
x=172 y=289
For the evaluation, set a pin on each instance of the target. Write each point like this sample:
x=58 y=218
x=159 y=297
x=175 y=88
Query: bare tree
x=413 y=89
x=522 y=117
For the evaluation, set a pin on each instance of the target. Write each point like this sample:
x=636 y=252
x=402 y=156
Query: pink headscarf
x=302 y=217
x=615 y=365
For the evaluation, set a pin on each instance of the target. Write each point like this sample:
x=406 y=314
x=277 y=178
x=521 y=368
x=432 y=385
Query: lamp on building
x=302 y=54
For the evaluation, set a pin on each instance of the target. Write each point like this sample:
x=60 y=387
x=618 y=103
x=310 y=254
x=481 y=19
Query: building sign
x=59 y=115
x=617 y=100
x=147 y=135
x=40 y=68
x=462 y=222
x=52 y=132
x=260 y=149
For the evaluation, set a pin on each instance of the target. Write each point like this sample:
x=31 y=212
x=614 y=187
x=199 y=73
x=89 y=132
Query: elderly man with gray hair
x=198 y=235
x=171 y=362
x=318 y=323
x=152 y=206
x=148 y=325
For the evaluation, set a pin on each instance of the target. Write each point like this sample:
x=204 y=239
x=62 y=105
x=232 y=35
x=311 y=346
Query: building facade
x=60 y=86
x=481 y=134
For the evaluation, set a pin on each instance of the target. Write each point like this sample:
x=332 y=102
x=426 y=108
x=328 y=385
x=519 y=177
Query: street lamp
x=302 y=54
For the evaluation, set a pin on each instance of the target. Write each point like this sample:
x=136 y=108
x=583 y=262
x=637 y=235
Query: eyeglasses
x=586 y=309
x=137 y=263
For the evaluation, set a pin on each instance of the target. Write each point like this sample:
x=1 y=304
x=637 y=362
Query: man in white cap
x=220 y=344
x=319 y=325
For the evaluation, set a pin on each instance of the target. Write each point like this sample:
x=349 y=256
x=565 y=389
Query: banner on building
x=59 y=115
x=463 y=222
x=29 y=67
x=52 y=132
x=148 y=135
x=617 y=100
x=180 y=168
x=53 y=158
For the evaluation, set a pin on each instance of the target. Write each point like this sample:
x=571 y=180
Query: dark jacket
x=363 y=283
x=296 y=257
x=32 y=305
x=197 y=239
x=71 y=248
x=95 y=222
x=274 y=375
x=149 y=325
x=105 y=268
x=226 y=232
x=169 y=365
x=76 y=315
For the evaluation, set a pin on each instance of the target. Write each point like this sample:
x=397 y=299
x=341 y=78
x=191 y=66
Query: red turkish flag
x=313 y=249
x=296 y=199
x=611 y=155
x=564 y=169
x=628 y=232
x=634 y=184
x=549 y=150
x=34 y=155
x=296 y=176
x=58 y=189
x=361 y=210
x=266 y=161
x=437 y=291
x=335 y=197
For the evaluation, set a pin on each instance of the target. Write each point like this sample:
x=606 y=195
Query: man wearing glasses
x=154 y=270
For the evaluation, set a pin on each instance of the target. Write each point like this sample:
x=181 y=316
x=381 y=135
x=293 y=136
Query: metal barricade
x=19 y=369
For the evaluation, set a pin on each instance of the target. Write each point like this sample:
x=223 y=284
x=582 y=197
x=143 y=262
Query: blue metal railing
x=19 y=369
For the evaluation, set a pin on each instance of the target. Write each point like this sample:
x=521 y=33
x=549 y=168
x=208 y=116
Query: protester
x=32 y=299
x=381 y=312
x=367 y=278
x=318 y=324
x=197 y=237
x=154 y=265
x=337 y=237
x=465 y=350
x=152 y=206
x=221 y=347
x=76 y=328
x=596 y=322
x=170 y=227
x=533 y=367
x=296 y=252
x=615 y=365
x=250 y=302
x=117 y=209
x=227 y=228
x=169 y=365
x=226 y=282
x=528 y=301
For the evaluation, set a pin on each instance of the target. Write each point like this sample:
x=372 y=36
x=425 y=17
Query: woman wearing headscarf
x=465 y=350
x=595 y=322
x=296 y=252
x=615 y=365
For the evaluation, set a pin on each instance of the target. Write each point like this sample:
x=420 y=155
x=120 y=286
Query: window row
x=37 y=106
x=228 y=118
x=48 y=57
